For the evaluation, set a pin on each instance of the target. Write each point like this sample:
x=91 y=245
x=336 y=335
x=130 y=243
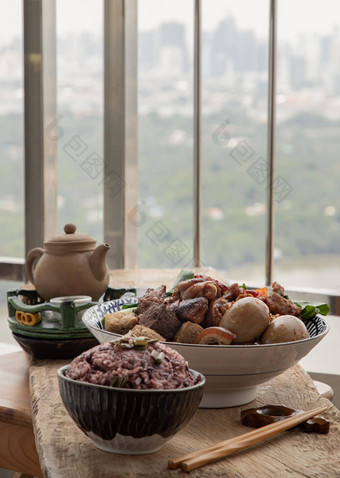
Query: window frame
x=120 y=135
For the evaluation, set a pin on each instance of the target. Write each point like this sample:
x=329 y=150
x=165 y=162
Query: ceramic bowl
x=128 y=421
x=54 y=348
x=232 y=372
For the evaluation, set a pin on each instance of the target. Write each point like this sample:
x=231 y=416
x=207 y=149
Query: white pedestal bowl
x=232 y=372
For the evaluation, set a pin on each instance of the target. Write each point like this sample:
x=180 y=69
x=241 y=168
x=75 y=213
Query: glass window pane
x=308 y=142
x=5 y=331
x=80 y=114
x=11 y=130
x=165 y=136
x=234 y=136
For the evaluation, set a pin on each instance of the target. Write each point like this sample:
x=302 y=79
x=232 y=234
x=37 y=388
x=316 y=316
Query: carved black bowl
x=129 y=421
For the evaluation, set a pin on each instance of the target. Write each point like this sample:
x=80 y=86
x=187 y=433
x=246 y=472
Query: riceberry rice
x=154 y=367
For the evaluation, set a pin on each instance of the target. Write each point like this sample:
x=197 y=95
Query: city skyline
x=294 y=17
x=234 y=93
x=165 y=55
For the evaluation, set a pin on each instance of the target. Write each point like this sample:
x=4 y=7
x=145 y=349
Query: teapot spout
x=98 y=261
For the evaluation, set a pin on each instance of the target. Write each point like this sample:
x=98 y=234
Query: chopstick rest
x=227 y=447
x=260 y=416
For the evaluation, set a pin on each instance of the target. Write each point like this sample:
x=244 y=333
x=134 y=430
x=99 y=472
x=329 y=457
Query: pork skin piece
x=183 y=286
x=207 y=289
x=188 y=333
x=279 y=305
x=151 y=297
x=215 y=336
x=160 y=319
x=192 y=309
x=278 y=288
x=220 y=284
x=233 y=292
x=217 y=309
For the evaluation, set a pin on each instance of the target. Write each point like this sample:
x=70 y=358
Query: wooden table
x=65 y=452
x=17 y=444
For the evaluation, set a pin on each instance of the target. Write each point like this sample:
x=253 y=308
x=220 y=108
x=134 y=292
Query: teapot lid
x=70 y=241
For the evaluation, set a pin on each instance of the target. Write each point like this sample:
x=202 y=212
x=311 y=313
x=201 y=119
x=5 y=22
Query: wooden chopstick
x=227 y=447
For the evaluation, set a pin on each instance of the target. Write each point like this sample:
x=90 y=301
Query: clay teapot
x=70 y=264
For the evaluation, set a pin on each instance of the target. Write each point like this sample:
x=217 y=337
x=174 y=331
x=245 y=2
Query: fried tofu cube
x=120 y=322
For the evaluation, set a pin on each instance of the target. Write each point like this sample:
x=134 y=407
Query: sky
x=295 y=16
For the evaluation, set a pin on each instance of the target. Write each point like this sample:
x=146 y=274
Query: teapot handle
x=33 y=254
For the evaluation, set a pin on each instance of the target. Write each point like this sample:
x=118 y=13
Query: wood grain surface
x=65 y=452
x=17 y=444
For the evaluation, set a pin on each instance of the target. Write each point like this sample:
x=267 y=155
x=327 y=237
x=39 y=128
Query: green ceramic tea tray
x=57 y=321
x=61 y=332
x=61 y=321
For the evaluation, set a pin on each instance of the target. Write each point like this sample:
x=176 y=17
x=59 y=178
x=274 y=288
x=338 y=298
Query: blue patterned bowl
x=232 y=372
x=128 y=421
